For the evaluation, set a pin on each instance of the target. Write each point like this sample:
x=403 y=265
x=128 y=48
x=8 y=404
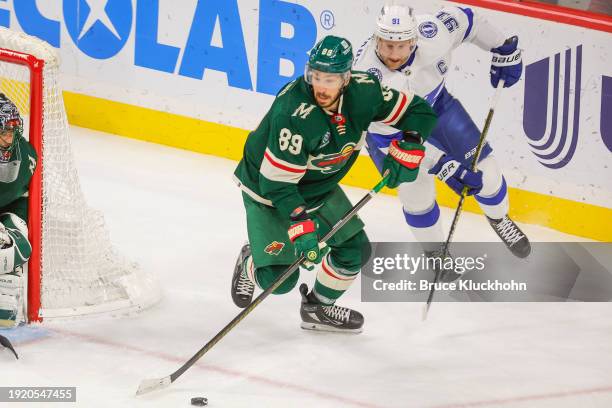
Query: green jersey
x=300 y=152
x=16 y=169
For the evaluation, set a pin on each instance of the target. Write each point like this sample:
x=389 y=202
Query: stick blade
x=6 y=343
x=425 y=312
x=153 y=384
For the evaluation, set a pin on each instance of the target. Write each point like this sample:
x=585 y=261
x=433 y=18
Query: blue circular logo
x=428 y=29
x=327 y=19
x=376 y=72
x=99 y=28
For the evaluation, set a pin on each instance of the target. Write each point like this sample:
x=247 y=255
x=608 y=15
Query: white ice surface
x=179 y=215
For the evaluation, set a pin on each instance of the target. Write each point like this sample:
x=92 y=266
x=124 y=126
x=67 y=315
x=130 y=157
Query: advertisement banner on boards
x=223 y=60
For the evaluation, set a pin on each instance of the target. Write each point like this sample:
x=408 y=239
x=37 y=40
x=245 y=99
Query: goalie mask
x=11 y=125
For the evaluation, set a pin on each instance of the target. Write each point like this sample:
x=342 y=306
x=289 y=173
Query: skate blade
x=326 y=328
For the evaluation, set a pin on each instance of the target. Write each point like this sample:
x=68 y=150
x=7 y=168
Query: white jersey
x=425 y=71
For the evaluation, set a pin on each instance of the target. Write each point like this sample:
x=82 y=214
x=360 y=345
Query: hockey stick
x=483 y=135
x=158 y=383
x=6 y=343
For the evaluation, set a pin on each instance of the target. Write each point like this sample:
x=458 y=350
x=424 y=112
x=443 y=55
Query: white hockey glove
x=5 y=238
x=15 y=249
x=11 y=299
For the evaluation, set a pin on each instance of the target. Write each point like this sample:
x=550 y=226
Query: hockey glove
x=403 y=162
x=303 y=233
x=5 y=238
x=457 y=176
x=507 y=63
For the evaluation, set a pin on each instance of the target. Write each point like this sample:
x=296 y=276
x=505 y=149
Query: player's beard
x=395 y=64
x=328 y=101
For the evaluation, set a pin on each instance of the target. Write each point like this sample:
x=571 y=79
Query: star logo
x=99 y=28
x=97 y=12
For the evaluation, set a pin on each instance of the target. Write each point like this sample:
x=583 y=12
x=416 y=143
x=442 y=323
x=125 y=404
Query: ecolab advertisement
x=223 y=60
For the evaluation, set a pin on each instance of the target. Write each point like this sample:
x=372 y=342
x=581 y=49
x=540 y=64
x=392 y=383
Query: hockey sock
x=496 y=205
x=332 y=281
x=426 y=226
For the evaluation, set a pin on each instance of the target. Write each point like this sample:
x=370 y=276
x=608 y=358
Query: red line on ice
x=222 y=370
x=535 y=397
x=317 y=393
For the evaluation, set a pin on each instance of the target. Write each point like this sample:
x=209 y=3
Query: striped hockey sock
x=332 y=281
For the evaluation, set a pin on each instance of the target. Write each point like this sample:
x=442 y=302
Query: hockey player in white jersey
x=414 y=52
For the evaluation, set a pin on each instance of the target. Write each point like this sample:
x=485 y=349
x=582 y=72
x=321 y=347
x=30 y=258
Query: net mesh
x=81 y=273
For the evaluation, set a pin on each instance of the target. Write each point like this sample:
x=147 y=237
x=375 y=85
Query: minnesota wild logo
x=332 y=162
x=274 y=248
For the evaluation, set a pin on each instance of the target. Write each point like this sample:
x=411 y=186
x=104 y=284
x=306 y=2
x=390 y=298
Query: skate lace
x=508 y=231
x=337 y=312
x=244 y=286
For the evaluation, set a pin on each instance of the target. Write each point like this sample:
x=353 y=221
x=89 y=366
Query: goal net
x=73 y=270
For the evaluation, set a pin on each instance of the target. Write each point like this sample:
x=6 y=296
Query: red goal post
x=35 y=67
x=73 y=270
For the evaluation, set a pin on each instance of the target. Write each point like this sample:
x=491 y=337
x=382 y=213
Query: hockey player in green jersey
x=17 y=164
x=290 y=171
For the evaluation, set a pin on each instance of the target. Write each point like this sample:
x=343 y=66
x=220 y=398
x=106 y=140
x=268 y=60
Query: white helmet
x=396 y=23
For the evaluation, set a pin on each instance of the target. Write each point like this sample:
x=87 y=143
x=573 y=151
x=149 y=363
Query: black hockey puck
x=199 y=401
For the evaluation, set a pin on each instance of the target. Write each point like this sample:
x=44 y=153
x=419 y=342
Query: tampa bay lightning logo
x=551 y=118
x=428 y=29
x=100 y=28
x=376 y=72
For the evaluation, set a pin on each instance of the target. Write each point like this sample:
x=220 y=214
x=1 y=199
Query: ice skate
x=317 y=316
x=516 y=241
x=242 y=287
